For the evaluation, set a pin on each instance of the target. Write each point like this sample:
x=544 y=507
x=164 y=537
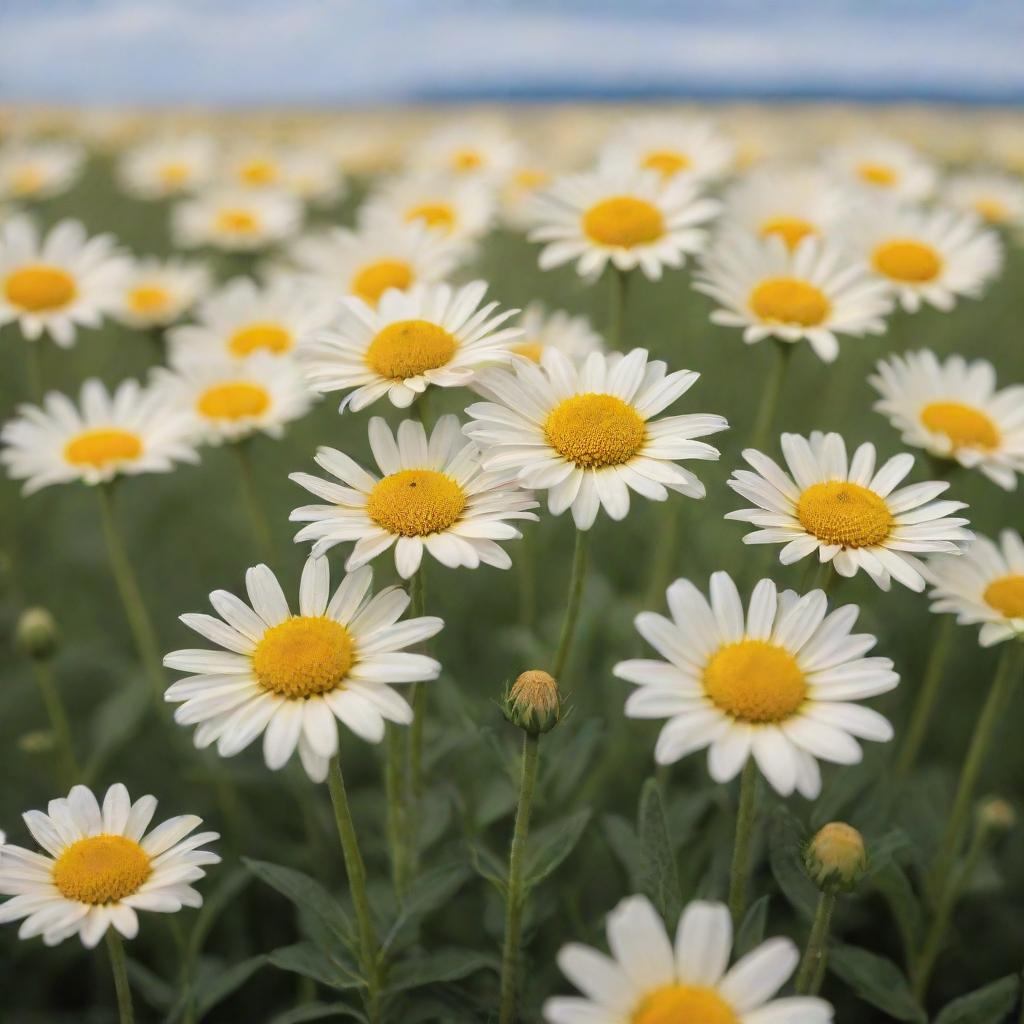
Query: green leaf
x=115 y=721
x=217 y=985
x=431 y=890
x=750 y=933
x=887 y=849
x=659 y=876
x=565 y=770
x=989 y=1005
x=442 y=965
x=894 y=885
x=312 y=962
x=625 y=845
x=786 y=856
x=547 y=848
x=876 y=980
x=157 y=992
x=490 y=866
x=318 y=1011
x=223 y=894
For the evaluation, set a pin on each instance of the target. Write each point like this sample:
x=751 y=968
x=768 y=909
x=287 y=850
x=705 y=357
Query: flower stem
x=663 y=552
x=572 y=608
x=741 y=847
x=418 y=604
x=115 y=948
x=394 y=784
x=260 y=526
x=356 y=871
x=770 y=391
x=515 y=898
x=812 y=967
x=618 y=280
x=47 y=682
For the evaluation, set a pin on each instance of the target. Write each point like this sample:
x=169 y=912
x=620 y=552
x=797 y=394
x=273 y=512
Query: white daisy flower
x=588 y=435
x=650 y=980
x=518 y=193
x=466 y=150
x=307 y=174
x=429 y=335
x=460 y=208
x=846 y=511
x=983 y=586
x=884 y=167
x=101 y=866
x=157 y=292
x=39 y=170
x=55 y=283
x=954 y=411
x=290 y=676
x=433 y=495
x=236 y=220
x=674 y=147
x=775 y=685
x=167 y=166
x=626 y=217
x=128 y=432
x=997 y=198
x=810 y=293
x=571 y=335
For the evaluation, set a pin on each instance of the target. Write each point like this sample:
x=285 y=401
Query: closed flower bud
x=36 y=633
x=996 y=815
x=835 y=858
x=533 y=703
x=38 y=742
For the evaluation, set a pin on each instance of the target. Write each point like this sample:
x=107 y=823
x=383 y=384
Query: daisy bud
x=533 y=703
x=36 y=633
x=835 y=858
x=996 y=815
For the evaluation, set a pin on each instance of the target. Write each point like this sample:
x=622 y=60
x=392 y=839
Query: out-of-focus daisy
x=306 y=173
x=649 y=979
x=460 y=208
x=954 y=411
x=238 y=220
x=288 y=677
x=245 y=318
x=518 y=193
x=774 y=684
x=983 y=586
x=673 y=147
x=588 y=435
x=130 y=431
x=884 y=166
x=811 y=293
x=429 y=335
x=157 y=292
x=433 y=496
x=167 y=166
x=101 y=866
x=626 y=217
x=38 y=170
x=59 y=281
x=995 y=197
x=846 y=511
x=475 y=150
x=571 y=335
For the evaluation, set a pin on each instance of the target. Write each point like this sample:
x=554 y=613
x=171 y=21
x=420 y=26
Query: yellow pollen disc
x=416 y=502
x=843 y=513
x=992 y=210
x=1006 y=595
x=376 y=278
x=530 y=349
x=233 y=401
x=907 y=260
x=683 y=1004
x=40 y=288
x=666 y=162
x=623 y=221
x=434 y=215
x=755 y=681
x=594 y=430
x=528 y=179
x=466 y=160
x=174 y=174
x=101 y=869
x=27 y=180
x=99 y=448
x=408 y=348
x=148 y=298
x=877 y=174
x=792 y=230
x=258 y=172
x=237 y=222
x=303 y=656
x=965 y=426
x=260 y=337
x=788 y=300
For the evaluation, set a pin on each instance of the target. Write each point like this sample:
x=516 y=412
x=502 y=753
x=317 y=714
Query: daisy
x=571 y=335
x=883 y=166
x=429 y=335
x=775 y=685
x=985 y=585
x=290 y=676
x=995 y=197
x=305 y=173
x=626 y=217
x=649 y=979
x=236 y=220
x=101 y=866
x=925 y=256
x=54 y=283
x=433 y=495
x=157 y=292
x=169 y=166
x=128 y=432
x=954 y=411
x=673 y=147
x=484 y=151
x=847 y=512
x=812 y=292
x=39 y=170
x=518 y=194
x=587 y=435
x=460 y=208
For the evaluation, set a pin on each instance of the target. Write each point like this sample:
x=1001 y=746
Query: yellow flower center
x=755 y=681
x=527 y=180
x=530 y=349
x=303 y=656
x=39 y=288
x=843 y=513
x=233 y=401
x=258 y=337
x=1006 y=595
x=99 y=448
x=237 y=221
x=174 y=174
x=792 y=230
x=623 y=221
x=416 y=502
x=991 y=209
x=907 y=260
x=434 y=215
x=27 y=180
x=101 y=869
x=258 y=172
x=376 y=278
x=148 y=298
x=666 y=162
x=594 y=430
x=683 y=1004
x=878 y=174
x=788 y=300
x=408 y=348
x=466 y=160
x=965 y=426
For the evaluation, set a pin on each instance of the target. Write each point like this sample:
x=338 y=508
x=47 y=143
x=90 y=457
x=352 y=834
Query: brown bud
x=533 y=703
x=835 y=858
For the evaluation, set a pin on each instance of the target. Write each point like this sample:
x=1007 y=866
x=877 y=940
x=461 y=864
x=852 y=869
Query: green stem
x=260 y=525
x=394 y=783
x=418 y=605
x=516 y=897
x=663 y=552
x=527 y=576
x=356 y=871
x=618 y=280
x=115 y=948
x=572 y=608
x=741 y=848
x=47 y=683
x=812 y=967
x=770 y=391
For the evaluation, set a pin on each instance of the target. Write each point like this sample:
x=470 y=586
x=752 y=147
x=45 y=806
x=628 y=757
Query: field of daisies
x=551 y=567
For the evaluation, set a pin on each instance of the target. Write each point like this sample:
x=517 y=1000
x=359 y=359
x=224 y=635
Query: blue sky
x=382 y=51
